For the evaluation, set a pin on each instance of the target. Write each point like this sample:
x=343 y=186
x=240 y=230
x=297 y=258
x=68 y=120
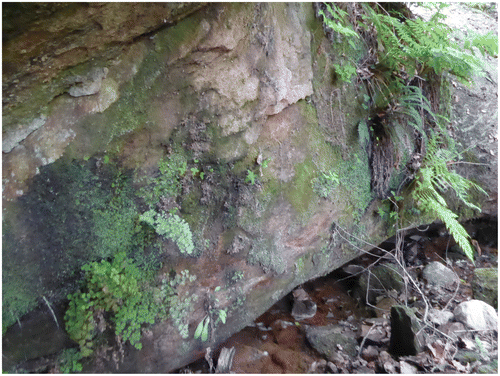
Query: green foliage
x=167 y=184
x=418 y=47
x=325 y=183
x=202 y=330
x=341 y=25
x=172 y=227
x=345 y=72
x=117 y=288
x=487 y=44
x=435 y=178
x=69 y=361
x=120 y=290
x=250 y=177
x=179 y=305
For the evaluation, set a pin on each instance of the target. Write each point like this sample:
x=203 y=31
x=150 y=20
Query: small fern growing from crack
x=434 y=178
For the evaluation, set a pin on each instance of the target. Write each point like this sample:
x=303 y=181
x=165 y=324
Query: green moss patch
x=74 y=213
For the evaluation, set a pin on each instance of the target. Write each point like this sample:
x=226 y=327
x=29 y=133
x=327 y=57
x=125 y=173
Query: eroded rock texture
x=97 y=96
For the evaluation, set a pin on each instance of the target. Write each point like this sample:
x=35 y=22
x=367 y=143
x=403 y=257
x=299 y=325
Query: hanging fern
x=419 y=47
x=338 y=23
x=435 y=178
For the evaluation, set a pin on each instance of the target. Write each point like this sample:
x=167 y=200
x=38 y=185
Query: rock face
x=224 y=115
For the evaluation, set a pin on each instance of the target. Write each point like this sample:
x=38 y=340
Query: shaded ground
x=277 y=343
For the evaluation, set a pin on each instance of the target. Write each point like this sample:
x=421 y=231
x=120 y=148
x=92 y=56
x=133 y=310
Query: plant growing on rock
x=171 y=226
x=117 y=294
x=115 y=288
x=250 y=177
x=202 y=330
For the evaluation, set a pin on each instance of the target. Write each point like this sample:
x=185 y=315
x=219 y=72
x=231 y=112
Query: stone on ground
x=436 y=274
x=485 y=285
x=329 y=340
x=477 y=315
x=404 y=329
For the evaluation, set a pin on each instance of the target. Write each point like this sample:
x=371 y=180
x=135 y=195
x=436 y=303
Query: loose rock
x=439 y=317
x=303 y=306
x=404 y=327
x=436 y=274
x=485 y=285
x=326 y=340
x=477 y=315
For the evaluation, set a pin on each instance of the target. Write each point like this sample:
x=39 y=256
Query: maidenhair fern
x=435 y=178
x=171 y=226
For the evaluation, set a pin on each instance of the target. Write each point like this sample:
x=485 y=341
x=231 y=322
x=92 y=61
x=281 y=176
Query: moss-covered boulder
x=485 y=285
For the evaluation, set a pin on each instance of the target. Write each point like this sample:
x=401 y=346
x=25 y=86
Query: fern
x=433 y=178
x=171 y=226
x=419 y=46
x=339 y=26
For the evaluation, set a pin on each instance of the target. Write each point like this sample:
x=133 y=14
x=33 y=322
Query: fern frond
x=434 y=177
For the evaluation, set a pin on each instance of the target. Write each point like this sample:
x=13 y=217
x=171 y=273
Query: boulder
x=485 y=285
x=378 y=281
x=477 y=315
x=202 y=109
x=330 y=339
x=223 y=113
x=404 y=329
x=438 y=275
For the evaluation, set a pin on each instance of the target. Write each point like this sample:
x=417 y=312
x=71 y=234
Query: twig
x=365 y=337
x=51 y=311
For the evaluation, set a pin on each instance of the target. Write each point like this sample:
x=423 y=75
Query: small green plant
x=202 y=330
x=115 y=288
x=390 y=210
x=178 y=306
x=171 y=226
x=250 y=177
x=70 y=361
x=345 y=72
x=167 y=184
x=237 y=276
x=325 y=183
x=265 y=162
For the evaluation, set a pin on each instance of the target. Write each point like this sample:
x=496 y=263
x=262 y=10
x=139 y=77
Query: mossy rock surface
x=485 y=285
